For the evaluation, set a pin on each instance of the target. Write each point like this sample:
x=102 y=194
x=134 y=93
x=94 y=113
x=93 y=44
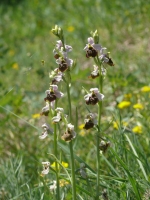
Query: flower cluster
x=64 y=63
x=101 y=58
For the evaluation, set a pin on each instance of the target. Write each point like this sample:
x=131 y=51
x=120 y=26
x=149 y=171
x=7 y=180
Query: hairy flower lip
x=53 y=93
x=90 y=121
x=93 y=97
x=70 y=134
x=91 y=48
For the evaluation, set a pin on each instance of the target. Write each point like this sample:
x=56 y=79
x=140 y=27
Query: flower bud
x=55 y=30
x=95 y=37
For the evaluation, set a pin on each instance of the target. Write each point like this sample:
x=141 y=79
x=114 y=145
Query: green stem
x=69 y=101
x=72 y=171
x=100 y=83
x=56 y=155
x=71 y=146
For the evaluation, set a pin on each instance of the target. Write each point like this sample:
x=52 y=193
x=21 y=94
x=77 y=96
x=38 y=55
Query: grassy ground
x=26 y=40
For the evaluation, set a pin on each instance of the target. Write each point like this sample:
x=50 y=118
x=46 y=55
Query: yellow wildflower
x=82 y=132
x=37 y=115
x=53 y=165
x=145 y=89
x=125 y=124
x=138 y=106
x=81 y=126
x=70 y=28
x=137 y=129
x=124 y=104
x=115 y=125
x=15 y=66
x=64 y=164
x=128 y=96
x=63 y=182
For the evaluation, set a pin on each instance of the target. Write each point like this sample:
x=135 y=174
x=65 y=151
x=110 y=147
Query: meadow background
x=26 y=40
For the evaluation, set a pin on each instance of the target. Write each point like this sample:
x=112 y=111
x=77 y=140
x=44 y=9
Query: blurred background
x=26 y=40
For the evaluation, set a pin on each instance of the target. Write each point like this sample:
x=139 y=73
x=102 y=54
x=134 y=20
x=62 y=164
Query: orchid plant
x=94 y=97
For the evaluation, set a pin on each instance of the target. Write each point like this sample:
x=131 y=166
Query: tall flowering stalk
x=96 y=51
x=93 y=97
x=61 y=54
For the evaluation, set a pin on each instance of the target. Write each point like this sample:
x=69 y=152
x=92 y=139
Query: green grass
x=26 y=40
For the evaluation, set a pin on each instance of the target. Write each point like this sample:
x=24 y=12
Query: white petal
x=46 y=163
x=56 y=119
x=95 y=90
x=97 y=47
x=59 y=94
x=86 y=47
x=86 y=97
x=47 y=91
x=90 y=40
x=59 y=109
x=71 y=127
x=54 y=87
x=99 y=96
x=68 y=48
x=73 y=134
x=69 y=62
x=45 y=171
x=44 y=135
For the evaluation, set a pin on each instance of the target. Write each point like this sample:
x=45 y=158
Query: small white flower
x=65 y=59
x=103 y=71
x=71 y=130
x=92 y=117
x=93 y=97
x=45 y=110
x=46 y=131
x=56 y=75
x=90 y=121
x=53 y=187
x=95 y=73
x=59 y=110
x=105 y=57
x=97 y=93
x=52 y=94
x=70 y=134
x=55 y=90
x=57 y=118
x=92 y=44
x=59 y=45
x=45 y=168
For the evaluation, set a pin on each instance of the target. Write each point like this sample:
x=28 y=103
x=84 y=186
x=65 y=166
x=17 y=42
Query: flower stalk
x=99 y=131
x=56 y=155
x=71 y=143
